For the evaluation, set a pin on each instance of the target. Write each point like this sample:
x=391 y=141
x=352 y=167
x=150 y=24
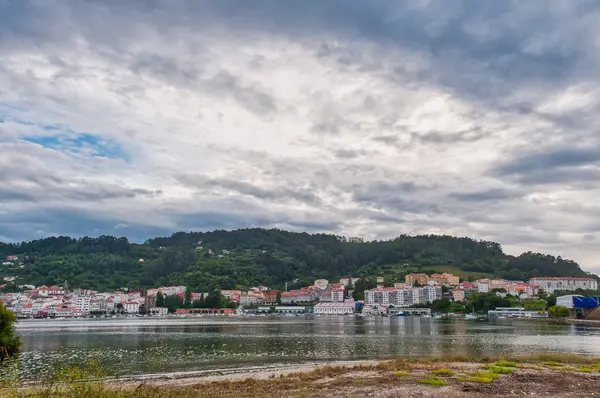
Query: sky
x=361 y=118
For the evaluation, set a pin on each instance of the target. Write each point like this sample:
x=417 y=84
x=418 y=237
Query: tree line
x=206 y=261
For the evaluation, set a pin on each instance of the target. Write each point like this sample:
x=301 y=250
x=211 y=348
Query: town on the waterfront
x=438 y=294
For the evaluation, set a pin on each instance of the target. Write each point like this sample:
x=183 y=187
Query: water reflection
x=140 y=346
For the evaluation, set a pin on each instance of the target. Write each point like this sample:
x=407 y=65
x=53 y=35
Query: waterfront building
x=345 y=308
x=160 y=311
x=297 y=296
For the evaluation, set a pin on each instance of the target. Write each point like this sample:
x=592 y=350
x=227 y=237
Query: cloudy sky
x=363 y=118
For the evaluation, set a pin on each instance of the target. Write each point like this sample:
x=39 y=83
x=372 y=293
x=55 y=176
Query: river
x=146 y=345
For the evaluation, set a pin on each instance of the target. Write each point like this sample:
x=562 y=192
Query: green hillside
x=247 y=257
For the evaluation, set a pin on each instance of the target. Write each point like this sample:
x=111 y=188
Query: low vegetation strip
x=401 y=377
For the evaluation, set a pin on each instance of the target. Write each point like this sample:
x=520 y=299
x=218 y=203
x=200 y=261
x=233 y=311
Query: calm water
x=136 y=346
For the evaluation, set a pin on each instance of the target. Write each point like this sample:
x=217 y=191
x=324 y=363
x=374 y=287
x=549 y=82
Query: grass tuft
x=554 y=364
x=585 y=369
x=443 y=372
x=433 y=381
x=506 y=364
x=401 y=373
x=534 y=367
x=476 y=379
x=479 y=377
x=500 y=370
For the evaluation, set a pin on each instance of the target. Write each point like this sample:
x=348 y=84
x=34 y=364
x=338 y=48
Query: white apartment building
x=483 y=285
x=249 y=299
x=549 y=285
x=98 y=305
x=82 y=303
x=337 y=295
x=131 y=307
x=402 y=297
x=432 y=293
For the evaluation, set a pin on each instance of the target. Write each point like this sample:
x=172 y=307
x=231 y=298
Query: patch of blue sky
x=82 y=143
x=63 y=138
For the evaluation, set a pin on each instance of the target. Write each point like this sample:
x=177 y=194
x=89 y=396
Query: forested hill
x=248 y=257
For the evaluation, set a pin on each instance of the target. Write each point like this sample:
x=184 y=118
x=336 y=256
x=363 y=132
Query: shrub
x=558 y=311
x=9 y=343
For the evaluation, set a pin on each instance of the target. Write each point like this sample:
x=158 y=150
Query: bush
x=9 y=343
x=558 y=311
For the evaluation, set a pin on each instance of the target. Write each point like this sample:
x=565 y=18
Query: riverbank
x=555 y=375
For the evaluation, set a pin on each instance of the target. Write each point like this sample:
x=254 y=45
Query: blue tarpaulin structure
x=586 y=302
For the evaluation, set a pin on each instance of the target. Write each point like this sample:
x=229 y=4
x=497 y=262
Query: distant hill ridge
x=247 y=257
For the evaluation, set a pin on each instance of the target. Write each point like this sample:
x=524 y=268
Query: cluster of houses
x=58 y=302
x=423 y=288
x=322 y=297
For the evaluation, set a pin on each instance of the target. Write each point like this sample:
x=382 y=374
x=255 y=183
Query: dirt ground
x=394 y=379
x=545 y=375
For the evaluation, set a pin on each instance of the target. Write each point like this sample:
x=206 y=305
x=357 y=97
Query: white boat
x=471 y=316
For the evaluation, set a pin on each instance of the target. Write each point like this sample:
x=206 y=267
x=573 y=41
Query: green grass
x=476 y=379
x=433 y=381
x=585 y=369
x=534 y=367
x=506 y=364
x=554 y=364
x=500 y=370
x=443 y=372
x=479 y=377
x=401 y=373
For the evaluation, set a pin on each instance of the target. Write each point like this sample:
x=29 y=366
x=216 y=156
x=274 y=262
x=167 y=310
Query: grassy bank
x=455 y=376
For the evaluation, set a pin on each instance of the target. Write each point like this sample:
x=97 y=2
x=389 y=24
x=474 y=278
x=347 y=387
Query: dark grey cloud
x=275 y=194
x=42 y=222
x=495 y=194
x=567 y=165
x=548 y=160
